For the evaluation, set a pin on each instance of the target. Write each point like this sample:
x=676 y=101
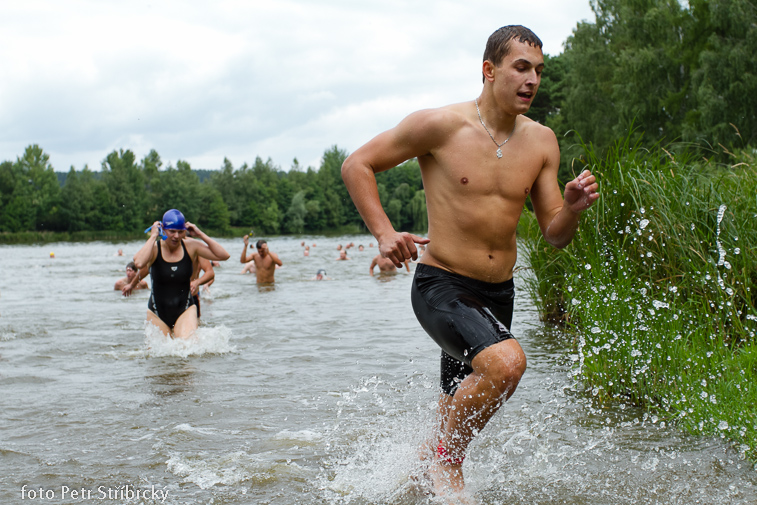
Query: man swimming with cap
x=171 y=264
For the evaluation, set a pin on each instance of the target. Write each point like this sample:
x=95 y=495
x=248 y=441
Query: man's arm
x=207 y=276
x=558 y=216
x=374 y=263
x=245 y=258
x=275 y=258
x=413 y=137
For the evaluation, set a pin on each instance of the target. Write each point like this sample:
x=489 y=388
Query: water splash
x=205 y=340
x=377 y=459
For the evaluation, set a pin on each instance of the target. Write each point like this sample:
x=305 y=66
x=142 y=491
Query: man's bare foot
x=448 y=484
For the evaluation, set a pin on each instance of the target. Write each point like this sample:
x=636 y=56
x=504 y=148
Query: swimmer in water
x=386 y=266
x=265 y=261
x=249 y=268
x=172 y=263
x=462 y=293
x=320 y=275
x=131 y=272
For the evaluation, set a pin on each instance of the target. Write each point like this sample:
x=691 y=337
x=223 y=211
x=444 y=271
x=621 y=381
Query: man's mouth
x=526 y=95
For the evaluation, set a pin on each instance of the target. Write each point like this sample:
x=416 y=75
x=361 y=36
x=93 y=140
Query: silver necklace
x=499 y=146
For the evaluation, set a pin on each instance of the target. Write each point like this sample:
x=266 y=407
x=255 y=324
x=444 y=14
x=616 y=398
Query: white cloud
x=201 y=81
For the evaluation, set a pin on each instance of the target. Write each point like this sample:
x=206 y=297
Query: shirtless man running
x=479 y=161
x=265 y=260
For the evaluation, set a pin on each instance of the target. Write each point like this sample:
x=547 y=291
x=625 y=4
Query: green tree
x=394 y=213
x=725 y=75
x=213 y=212
x=79 y=202
x=314 y=219
x=125 y=182
x=338 y=205
x=180 y=189
x=31 y=193
x=418 y=212
x=295 y=215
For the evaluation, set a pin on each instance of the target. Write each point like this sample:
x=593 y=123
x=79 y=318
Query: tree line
x=127 y=195
x=682 y=75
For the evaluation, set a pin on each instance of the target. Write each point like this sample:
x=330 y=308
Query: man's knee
x=502 y=364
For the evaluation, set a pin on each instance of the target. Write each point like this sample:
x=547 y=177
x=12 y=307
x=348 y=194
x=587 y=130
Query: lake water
x=307 y=392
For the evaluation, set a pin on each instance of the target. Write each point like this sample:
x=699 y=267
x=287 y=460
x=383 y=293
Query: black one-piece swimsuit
x=171 y=294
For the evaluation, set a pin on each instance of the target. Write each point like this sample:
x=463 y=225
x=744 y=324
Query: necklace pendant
x=499 y=152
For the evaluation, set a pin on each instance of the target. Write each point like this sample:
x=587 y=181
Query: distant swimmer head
x=173 y=220
x=52 y=254
x=321 y=272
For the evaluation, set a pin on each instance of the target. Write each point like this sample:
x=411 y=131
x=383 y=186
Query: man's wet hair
x=259 y=243
x=498 y=45
x=132 y=266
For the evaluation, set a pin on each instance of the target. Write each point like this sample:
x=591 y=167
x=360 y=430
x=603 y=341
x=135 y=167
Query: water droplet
x=644 y=223
x=660 y=305
x=587 y=266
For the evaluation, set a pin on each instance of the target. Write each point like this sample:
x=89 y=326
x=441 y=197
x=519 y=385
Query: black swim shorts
x=464 y=316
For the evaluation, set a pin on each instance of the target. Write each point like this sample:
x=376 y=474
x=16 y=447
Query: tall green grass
x=658 y=288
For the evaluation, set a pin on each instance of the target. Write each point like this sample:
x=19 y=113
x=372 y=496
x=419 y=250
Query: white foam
x=227 y=469
x=205 y=340
x=299 y=436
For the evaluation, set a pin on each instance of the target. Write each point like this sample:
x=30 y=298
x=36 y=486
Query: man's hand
x=246 y=239
x=399 y=247
x=129 y=287
x=194 y=286
x=581 y=192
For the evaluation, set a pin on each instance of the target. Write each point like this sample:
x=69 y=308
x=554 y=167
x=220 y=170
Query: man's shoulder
x=440 y=119
x=534 y=128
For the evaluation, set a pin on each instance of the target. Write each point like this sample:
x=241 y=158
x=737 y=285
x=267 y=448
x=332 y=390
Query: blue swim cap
x=173 y=220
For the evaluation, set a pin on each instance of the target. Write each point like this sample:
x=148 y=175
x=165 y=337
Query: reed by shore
x=658 y=288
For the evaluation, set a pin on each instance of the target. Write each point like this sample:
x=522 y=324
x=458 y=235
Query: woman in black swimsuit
x=171 y=262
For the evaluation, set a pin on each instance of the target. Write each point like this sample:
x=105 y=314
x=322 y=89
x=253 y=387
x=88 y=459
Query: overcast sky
x=203 y=80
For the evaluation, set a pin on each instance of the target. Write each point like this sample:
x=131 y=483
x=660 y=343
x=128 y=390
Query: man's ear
x=487 y=69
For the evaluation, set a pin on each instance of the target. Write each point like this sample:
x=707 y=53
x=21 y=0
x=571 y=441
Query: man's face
x=263 y=249
x=130 y=273
x=518 y=76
